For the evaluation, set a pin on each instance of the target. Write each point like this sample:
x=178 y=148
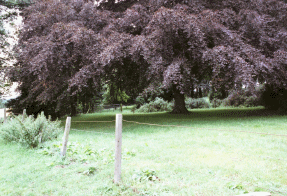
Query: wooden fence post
x=5 y=116
x=66 y=136
x=118 y=152
x=24 y=115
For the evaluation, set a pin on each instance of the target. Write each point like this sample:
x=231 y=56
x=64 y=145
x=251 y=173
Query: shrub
x=252 y=101
x=99 y=107
x=133 y=109
x=235 y=99
x=31 y=132
x=157 y=105
x=196 y=103
x=151 y=94
x=139 y=101
x=216 y=103
x=243 y=97
x=217 y=94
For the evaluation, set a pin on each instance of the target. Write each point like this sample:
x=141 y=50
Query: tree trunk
x=223 y=94
x=179 y=103
x=192 y=92
x=196 y=93
x=199 y=92
x=73 y=106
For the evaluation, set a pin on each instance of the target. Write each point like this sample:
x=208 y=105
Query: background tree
x=55 y=47
x=113 y=94
x=230 y=43
x=138 y=45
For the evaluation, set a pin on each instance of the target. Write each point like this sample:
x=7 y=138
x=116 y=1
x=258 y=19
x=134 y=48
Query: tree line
x=69 y=49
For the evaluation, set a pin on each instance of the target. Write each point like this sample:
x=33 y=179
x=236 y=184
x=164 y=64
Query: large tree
x=70 y=47
x=228 y=43
x=55 y=47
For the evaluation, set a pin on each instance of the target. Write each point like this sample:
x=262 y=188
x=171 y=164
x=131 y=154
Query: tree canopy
x=68 y=49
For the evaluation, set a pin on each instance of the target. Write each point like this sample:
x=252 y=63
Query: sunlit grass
x=208 y=158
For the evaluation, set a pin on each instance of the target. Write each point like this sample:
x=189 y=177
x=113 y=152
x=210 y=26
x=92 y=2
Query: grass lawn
x=210 y=158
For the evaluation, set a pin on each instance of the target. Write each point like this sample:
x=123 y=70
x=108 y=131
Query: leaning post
x=118 y=152
x=66 y=136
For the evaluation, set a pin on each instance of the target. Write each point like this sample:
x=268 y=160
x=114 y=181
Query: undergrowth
x=30 y=131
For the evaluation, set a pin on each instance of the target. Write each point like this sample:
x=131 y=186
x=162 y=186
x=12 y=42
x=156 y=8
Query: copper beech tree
x=69 y=48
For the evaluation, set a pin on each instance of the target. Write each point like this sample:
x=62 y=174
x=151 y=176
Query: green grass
x=208 y=158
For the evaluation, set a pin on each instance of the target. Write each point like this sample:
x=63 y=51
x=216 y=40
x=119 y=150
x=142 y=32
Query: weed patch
x=31 y=131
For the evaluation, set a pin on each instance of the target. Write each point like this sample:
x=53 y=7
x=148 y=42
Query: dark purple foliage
x=69 y=48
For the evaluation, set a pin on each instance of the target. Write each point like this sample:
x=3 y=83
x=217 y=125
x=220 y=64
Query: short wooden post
x=118 y=153
x=5 y=116
x=24 y=115
x=66 y=136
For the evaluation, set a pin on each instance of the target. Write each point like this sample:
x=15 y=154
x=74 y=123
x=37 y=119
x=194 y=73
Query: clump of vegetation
x=242 y=97
x=145 y=175
x=158 y=105
x=133 y=109
x=149 y=95
x=216 y=103
x=140 y=101
x=90 y=171
x=113 y=94
x=31 y=131
x=197 y=103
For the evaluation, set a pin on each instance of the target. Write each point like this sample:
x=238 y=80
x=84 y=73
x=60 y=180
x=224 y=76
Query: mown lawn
x=216 y=156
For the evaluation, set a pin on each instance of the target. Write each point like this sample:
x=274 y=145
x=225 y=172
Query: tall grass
x=208 y=158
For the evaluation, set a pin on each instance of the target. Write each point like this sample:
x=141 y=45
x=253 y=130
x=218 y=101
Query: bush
x=140 y=101
x=217 y=94
x=158 y=105
x=151 y=94
x=196 y=103
x=31 y=132
x=99 y=107
x=243 y=98
x=234 y=99
x=216 y=103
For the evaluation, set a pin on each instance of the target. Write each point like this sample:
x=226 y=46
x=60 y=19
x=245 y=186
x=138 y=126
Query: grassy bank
x=216 y=155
